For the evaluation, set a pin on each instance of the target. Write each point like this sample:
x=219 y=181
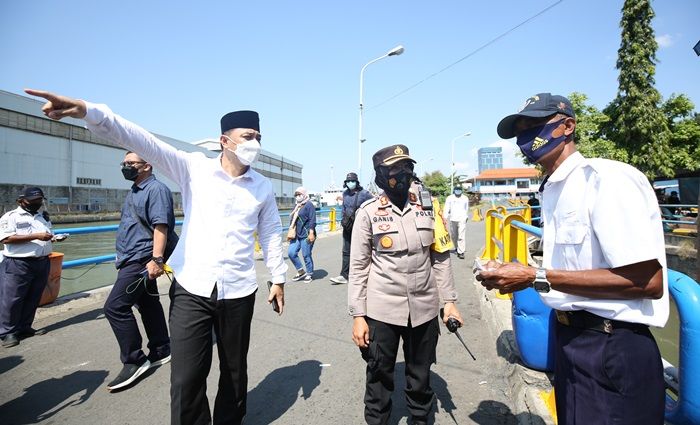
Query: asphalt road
x=303 y=366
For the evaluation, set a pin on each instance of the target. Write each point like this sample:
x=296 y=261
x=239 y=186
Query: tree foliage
x=437 y=183
x=637 y=123
x=589 y=121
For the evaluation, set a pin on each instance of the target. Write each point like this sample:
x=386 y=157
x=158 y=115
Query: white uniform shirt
x=601 y=214
x=457 y=208
x=216 y=244
x=19 y=222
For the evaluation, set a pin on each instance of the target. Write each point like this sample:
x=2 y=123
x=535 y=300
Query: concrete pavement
x=303 y=366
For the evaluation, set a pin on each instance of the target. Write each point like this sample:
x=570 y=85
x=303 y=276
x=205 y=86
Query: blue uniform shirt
x=153 y=203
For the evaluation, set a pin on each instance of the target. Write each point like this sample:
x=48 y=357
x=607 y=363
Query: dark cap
x=391 y=155
x=538 y=106
x=351 y=177
x=240 y=119
x=31 y=193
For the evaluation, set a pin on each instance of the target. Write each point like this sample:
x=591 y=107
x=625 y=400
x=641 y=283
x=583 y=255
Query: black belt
x=28 y=258
x=584 y=320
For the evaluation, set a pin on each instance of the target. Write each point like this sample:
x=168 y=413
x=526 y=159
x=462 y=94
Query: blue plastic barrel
x=533 y=325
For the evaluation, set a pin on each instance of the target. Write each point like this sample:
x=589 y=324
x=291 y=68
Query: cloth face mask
x=537 y=142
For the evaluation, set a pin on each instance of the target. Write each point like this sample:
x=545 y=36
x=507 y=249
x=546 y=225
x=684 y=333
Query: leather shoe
x=10 y=340
x=28 y=333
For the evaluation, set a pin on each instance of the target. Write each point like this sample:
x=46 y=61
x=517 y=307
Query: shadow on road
x=94 y=314
x=10 y=362
x=280 y=390
x=491 y=412
x=44 y=399
x=506 y=348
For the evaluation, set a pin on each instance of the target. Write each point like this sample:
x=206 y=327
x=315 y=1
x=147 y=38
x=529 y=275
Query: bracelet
x=158 y=260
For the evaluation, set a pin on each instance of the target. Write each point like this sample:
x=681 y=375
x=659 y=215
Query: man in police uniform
x=396 y=283
x=24 y=272
x=603 y=271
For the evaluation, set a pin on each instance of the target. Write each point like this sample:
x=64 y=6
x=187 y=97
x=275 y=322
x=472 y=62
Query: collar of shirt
x=566 y=167
x=220 y=170
x=136 y=187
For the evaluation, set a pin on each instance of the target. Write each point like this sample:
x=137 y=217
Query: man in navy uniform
x=145 y=239
x=24 y=272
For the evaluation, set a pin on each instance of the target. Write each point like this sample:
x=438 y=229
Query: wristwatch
x=541 y=284
x=158 y=260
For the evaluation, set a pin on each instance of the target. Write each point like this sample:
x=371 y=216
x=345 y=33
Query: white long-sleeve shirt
x=216 y=246
x=457 y=208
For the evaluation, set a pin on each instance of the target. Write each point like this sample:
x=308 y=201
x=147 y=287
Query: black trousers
x=345 y=270
x=191 y=320
x=127 y=293
x=22 y=281
x=603 y=378
x=419 y=345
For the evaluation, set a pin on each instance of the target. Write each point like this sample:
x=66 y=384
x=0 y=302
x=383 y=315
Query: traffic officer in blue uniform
x=397 y=283
x=24 y=271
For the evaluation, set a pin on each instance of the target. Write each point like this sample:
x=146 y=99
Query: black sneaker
x=28 y=333
x=130 y=372
x=10 y=340
x=159 y=358
x=299 y=276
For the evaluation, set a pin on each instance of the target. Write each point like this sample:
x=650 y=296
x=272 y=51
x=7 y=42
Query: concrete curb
x=526 y=384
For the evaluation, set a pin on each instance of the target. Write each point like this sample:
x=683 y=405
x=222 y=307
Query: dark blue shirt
x=306 y=220
x=152 y=203
x=352 y=199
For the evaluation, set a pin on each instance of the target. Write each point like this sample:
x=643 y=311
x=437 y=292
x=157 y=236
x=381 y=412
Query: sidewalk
x=303 y=366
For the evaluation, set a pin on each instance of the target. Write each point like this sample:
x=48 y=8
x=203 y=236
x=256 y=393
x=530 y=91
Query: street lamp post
x=393 y=52
x=452 y=167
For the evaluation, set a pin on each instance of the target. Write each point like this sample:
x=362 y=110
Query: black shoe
x=460 y=256
x=129 y=374
x=299 y=276
x=10 y=340
x=28 y=333
x=159 y=357
x=419 y=421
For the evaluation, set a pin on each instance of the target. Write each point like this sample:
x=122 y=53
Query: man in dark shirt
x=145 y=239
x=534 y=202
x=353 y=196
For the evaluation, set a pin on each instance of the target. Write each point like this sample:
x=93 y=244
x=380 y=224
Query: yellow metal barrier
x=331 y=218
x=476 y=214
x=550 y=402
x=258 y=248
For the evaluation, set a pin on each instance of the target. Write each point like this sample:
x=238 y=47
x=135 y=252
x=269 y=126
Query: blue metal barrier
x=114 y=227
x=686 y=293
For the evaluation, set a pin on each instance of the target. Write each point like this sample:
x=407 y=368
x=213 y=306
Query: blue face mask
x=351 y=185
x=537 y=142
x=458 y=192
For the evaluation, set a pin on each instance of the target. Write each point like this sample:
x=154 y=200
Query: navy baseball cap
x=31 y=193
x=538 y=106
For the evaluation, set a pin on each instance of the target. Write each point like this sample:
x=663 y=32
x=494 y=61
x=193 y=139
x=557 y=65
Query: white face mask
x=299 y=198
x=247 y=152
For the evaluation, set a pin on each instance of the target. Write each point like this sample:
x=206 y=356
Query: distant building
x=506 y=182
x=490 y=158
x=79 y=171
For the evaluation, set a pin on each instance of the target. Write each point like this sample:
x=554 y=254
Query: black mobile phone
x=275 y=306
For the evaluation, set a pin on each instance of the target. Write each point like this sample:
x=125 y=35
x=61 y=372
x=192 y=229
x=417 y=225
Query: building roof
x=508 y=173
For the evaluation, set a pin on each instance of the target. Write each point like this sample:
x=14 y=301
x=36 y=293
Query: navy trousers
x=419 y=345
x=603 y=378
x=127 y=293
x=22 y=281
x=345 y=270
x=192 y=319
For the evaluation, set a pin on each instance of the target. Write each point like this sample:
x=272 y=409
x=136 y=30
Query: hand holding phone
x=275 y=305
x=60 y=237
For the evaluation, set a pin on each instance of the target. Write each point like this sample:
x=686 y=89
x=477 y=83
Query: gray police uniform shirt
x=394 y=274
x=20 y=222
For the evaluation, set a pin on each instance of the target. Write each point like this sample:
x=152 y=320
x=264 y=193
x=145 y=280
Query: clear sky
x=176 y=67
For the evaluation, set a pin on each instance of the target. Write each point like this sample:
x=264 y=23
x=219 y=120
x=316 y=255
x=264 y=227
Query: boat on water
x=331 y=197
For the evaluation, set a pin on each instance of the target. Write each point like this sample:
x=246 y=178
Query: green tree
x=437 y=183
x=589 y=121
x=684 y=125
x=637 y=123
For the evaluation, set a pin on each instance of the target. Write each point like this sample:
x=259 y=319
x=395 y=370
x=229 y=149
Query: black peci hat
x=351 y=177
x=240 y=119
x=538 y=106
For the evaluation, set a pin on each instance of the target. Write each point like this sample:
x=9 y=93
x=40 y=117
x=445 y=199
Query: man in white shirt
x=225 y=202
x=456 y=211
x=603 y=271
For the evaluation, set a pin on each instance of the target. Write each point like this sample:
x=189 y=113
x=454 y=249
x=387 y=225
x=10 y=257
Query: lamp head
x=395 y=51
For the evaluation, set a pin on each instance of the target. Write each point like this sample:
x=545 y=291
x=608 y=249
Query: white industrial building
x=79 y=171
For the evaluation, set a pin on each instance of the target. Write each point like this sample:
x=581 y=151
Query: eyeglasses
x=131 y=163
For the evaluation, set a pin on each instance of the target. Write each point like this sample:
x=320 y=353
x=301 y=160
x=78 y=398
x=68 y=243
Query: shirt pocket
x=23 y=228
x=571 y=234
x=388 y=242
x=425 y=227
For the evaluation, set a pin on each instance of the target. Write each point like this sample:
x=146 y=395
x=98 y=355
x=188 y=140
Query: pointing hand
x=58 y=107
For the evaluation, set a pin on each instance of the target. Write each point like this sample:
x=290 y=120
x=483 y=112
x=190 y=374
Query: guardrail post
x=491 y=250
x=331 y=218
x=514 y=241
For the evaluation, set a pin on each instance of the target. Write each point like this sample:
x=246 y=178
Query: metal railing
x=332 y=222
x=506 y=240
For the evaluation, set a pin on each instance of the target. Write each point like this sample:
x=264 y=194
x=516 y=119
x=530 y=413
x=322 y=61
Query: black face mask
x=130 y=173
x=395 y=181
x=31 y=207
